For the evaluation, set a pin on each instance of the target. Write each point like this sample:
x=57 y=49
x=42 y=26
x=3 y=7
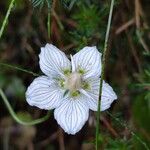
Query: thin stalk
x=18 y=68
x=14 y=115
x=58 y=20
x=48 y=24
x=102 y=74
x=49 y=20
x=6 y=138
x=6 y=17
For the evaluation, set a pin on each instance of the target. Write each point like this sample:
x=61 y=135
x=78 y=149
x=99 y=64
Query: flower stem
x=14 y=115
x=102 y=74
x=19 y=68
x=6 y=17
x=49 y=20
x=48 y=24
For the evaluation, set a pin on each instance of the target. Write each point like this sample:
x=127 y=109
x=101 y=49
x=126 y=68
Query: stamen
x=67 y=72
x=73 y=64
x=85 y=85
x=61 y=83
x=81 y=71
x=75 y=93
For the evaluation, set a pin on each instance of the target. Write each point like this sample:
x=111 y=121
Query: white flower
x=71 y=88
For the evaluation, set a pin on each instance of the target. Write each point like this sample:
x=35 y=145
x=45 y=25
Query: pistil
x=73 y=82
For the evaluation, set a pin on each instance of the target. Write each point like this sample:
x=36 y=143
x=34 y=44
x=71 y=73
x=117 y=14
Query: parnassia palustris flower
x=70 y=87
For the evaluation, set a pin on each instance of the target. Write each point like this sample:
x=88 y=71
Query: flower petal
x=72 y=114
x=89 y=60
x=53 y=61
x=44 y=93
x=108 y=95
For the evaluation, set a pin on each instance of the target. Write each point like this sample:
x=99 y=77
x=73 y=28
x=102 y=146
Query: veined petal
x=108 y=95
x=44 y=93
x=53 y=61
x=89 y=60
x=72 y=114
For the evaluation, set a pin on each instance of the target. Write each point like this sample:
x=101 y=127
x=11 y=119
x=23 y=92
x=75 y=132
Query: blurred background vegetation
x=75 y=24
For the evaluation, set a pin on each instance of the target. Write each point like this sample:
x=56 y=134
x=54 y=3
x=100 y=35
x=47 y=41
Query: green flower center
x=73 y=82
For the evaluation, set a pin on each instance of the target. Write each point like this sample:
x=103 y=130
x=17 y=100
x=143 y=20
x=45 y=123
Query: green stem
x=14 y=115
x=6 y=17
x=49 y=20
x=58 y=20
x=20 y=69
x=102 y=74
x=48 y=24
